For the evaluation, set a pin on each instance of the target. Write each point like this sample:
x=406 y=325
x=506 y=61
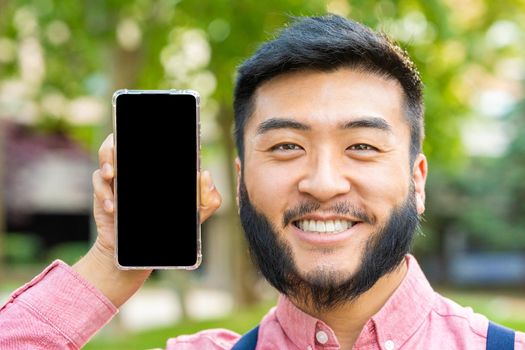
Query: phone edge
x=114 y=98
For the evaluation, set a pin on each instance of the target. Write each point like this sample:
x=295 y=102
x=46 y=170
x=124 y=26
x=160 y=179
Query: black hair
x=327 y=43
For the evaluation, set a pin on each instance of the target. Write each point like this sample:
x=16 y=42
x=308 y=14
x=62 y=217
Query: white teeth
x=311 y=225
x=329 y=226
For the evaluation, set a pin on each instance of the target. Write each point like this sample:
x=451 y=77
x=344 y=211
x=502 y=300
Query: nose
x=325 y=179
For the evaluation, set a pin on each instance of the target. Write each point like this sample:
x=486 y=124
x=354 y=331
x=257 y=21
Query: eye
x=362 y=147
x=286 y=147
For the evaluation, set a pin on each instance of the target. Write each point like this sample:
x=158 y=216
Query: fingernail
x=108 y=205
x=107 y=169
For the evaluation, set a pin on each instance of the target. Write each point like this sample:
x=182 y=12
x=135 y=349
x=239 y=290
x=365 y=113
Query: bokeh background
x=60 y=62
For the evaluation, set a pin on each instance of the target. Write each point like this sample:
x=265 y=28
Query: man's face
x=327 y=165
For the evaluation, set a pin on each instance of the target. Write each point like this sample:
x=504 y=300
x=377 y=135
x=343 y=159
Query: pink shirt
x=59 y=310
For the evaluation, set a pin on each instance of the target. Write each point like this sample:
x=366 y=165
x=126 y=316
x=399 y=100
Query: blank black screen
x=156 y=153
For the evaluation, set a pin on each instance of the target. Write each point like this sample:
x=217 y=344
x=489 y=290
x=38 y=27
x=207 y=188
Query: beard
x=324 y=290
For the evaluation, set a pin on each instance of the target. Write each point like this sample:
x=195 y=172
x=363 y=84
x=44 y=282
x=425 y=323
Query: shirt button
x=389 y=345
x=309 y=347
x=321 y=337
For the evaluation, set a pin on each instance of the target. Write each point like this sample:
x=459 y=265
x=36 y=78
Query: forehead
x=324 y=99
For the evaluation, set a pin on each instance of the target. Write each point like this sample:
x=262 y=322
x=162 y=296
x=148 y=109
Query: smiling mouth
x=324 y=226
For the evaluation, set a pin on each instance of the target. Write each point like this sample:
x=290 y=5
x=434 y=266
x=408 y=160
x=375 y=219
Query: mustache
x=340 y=208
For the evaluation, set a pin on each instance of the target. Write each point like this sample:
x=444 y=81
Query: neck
x=348 y=320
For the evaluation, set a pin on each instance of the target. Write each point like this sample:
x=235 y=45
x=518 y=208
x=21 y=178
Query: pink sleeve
x=520 y=341
x=58 y=309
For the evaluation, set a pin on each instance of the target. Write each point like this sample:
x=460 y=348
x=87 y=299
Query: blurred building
x=47 y=186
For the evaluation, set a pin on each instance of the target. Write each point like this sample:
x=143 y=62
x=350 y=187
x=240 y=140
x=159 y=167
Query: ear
x=238 y=172
x=419 y=177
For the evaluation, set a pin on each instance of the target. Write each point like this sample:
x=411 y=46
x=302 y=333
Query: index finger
x=105 y=156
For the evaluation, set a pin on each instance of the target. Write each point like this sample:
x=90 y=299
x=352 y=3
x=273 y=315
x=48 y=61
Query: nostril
x=324 y=189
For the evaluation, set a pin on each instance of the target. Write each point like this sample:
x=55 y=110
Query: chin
x=325 y=270
x=323 y=276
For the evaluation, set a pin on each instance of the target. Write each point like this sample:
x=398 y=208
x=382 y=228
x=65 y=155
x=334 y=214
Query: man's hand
x=98 y=266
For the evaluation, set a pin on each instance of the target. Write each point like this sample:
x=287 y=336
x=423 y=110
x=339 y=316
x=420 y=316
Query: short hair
x=327 y=43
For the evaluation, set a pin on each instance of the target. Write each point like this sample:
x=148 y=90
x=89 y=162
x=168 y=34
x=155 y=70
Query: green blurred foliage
x=442 y=42
x=485 y=201
x=22 y=248
x=91 y=48
x=69 y=252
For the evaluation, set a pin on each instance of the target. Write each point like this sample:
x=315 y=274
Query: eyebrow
x=367 y=122
x=284 y=123
x=280 y=123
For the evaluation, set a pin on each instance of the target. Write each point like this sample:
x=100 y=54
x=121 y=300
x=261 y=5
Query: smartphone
x=157 y=150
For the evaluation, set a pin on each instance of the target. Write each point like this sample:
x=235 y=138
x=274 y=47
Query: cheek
x=382 y=188
x=269 y=189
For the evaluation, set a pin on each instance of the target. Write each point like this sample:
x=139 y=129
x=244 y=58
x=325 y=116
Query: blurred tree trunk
x=243 y=269
x=126 y=68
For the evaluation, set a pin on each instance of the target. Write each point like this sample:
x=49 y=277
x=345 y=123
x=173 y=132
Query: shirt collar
x=396 y=321
x=302 y=328
x=406 y=309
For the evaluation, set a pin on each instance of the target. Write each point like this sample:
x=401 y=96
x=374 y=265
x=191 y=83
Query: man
x=331 y=182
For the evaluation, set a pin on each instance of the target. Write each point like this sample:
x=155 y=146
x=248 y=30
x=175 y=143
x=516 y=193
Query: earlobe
x=419 y=178
x=238 y=168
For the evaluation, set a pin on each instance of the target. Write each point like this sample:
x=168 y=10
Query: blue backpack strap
x=500 y=338
x=248 y=341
